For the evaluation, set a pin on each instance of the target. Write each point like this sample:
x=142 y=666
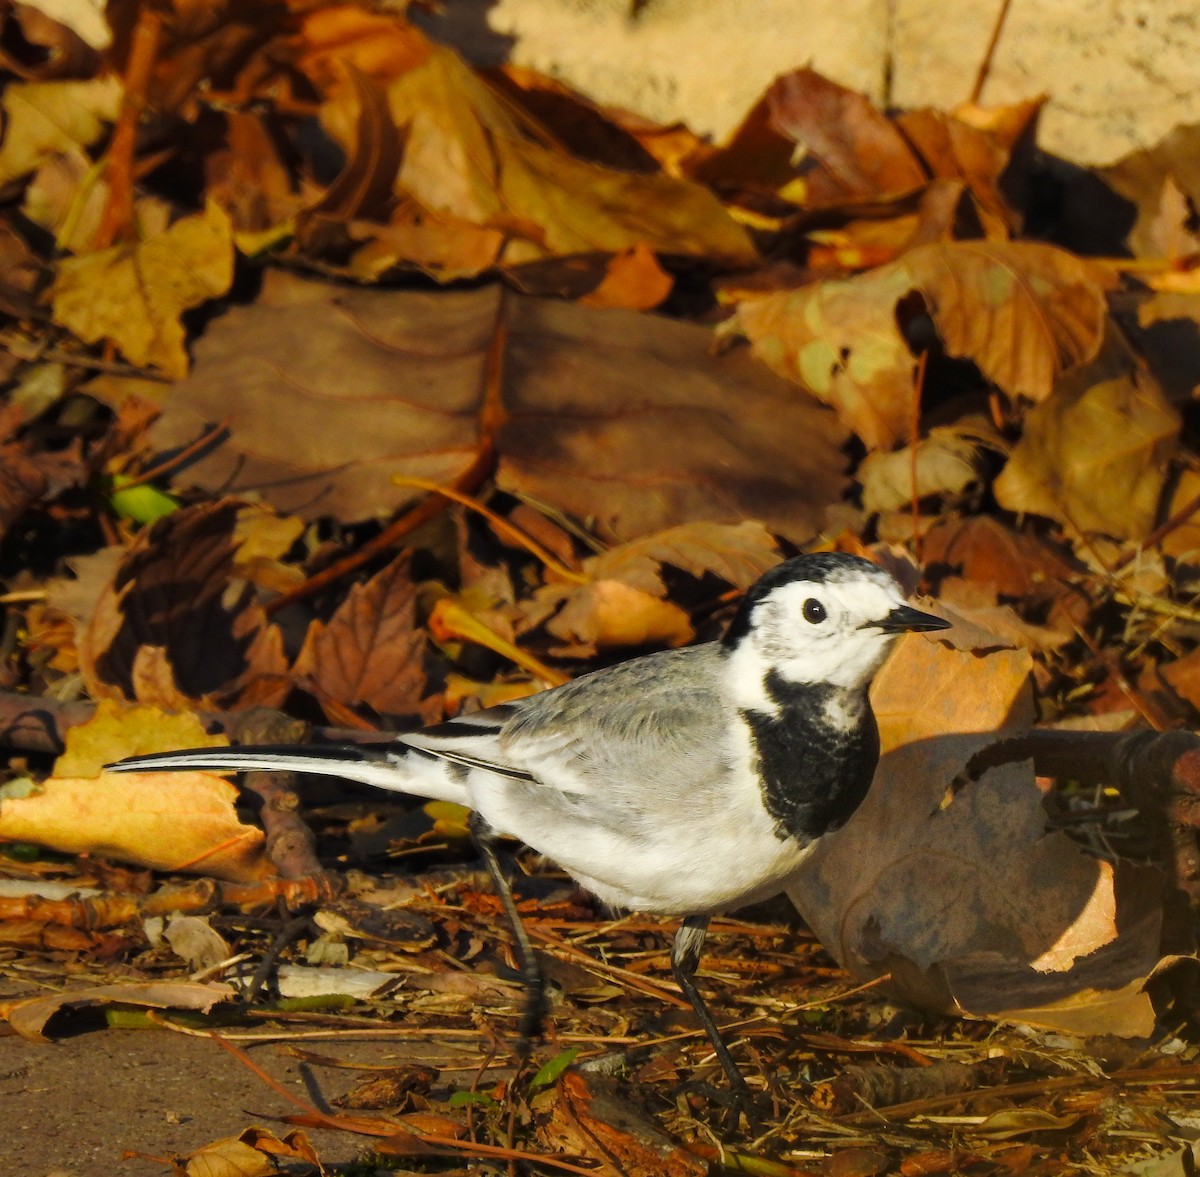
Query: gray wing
x=660 y=718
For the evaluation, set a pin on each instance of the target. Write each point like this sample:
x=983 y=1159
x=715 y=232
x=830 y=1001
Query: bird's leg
x=685 y=957
x=535 y=996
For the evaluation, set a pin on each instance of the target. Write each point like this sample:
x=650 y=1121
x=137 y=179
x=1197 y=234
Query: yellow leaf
x=135 y=294
x=1094 y=458
x=470 y=154
x=1021 y=311
x=118 y=730
x=44 y=119
x=170 y=821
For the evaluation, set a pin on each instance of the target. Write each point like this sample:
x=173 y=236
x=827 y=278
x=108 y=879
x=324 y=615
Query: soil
x=75 y=1106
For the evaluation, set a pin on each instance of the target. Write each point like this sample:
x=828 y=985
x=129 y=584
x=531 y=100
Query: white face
x=813 y=632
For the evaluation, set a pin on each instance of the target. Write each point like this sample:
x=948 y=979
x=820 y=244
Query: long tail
x=396 y=766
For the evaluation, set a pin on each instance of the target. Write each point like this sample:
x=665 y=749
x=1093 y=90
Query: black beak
x=904 y=618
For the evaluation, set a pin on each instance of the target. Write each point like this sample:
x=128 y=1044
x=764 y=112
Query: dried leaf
x=1011 y=563
x=85 y=20
x=622 y=606
x=589 y=397
x=968 y=903
x=608 y=614
x=861 y=152
x=633 y=279
x=117 y=730
x=175 y=625
x=738 y=553
x=167 y=821
x=1094 y=457
x=371 y=651
x=28 y=1018
x=947 y=463
x=135 y=295
x=43 y=119
x=195 y=941
x=470 y=153
x=1023 y=312
x=588 y=1119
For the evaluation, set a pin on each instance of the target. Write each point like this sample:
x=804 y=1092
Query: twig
x=914 y=436
x=985 y=66
x=116 y=222
x=502 y=526
x=433 y=1144
x=178 y=459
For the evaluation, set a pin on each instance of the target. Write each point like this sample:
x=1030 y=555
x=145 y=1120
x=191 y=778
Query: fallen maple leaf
x=175 y=625
x=370 y=651
x=1022 y=312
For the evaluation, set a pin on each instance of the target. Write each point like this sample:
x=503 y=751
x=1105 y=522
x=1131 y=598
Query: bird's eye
x=814 y=611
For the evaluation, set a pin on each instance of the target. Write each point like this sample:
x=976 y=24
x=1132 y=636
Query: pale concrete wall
x=1120 y=73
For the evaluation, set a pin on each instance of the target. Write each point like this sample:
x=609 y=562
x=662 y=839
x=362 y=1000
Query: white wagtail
x=687 y=782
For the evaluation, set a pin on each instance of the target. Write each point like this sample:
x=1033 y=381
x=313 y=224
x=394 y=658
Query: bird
x=685 y=782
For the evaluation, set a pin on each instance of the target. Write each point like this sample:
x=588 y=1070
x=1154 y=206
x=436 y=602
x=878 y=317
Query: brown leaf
x=969 y=903
x=588 y=1119
x=589 y=396
x=176 y=589
x=634 y=279
x=248 y=179
x=622 y=603
x=861 y=152
x=1023 y=312
x=28 y=475
x=1012 y=563
x=371 y=651
x=1163 y=183
x=738 y=553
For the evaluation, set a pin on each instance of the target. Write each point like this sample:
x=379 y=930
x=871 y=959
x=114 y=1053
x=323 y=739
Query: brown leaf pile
x=346 y=379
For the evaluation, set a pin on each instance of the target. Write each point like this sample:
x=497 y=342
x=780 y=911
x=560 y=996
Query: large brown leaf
x=622 y=419
x=965 y=899
x=1023 y=312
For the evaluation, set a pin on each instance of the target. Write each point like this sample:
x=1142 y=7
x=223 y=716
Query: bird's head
x=826 y=618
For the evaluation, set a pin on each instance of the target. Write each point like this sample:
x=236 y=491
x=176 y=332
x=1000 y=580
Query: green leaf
x=481 y=1099
x=143 y=504
x=551 y=1072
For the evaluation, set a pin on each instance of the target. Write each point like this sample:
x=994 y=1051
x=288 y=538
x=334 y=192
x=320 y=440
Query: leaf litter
x=348 y=269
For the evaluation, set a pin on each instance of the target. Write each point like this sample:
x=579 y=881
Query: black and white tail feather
x=686 y=782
